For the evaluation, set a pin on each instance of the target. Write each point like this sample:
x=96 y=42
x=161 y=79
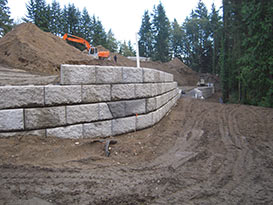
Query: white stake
x=137 y=52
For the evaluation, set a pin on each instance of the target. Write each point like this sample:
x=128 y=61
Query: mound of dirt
x=29 y=48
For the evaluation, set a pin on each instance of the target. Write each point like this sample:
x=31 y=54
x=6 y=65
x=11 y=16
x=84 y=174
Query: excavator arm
x=91 y=50
x=77 y=40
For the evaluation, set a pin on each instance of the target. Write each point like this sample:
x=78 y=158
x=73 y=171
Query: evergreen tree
x=145 y=36
x=55 y=24
x=5 y=20
x=176 y=39
x=256 y=61
x=86 y=25
x=111 y=42
x=216 y=35
x=197 y=40
x=38 y=13
x=161 y=32
x=99 y=35
x=126 y=49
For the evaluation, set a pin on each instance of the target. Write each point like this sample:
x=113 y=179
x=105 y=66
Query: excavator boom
x=91 y=50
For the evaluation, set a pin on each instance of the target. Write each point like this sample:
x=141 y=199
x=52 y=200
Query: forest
x=234 y=42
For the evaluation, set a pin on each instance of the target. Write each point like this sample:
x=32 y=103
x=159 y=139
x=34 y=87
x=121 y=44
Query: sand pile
x=29 y=48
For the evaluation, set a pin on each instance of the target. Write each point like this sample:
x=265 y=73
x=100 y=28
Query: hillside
x=28 y=48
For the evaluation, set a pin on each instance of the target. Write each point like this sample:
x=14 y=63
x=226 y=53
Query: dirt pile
x=29 y=48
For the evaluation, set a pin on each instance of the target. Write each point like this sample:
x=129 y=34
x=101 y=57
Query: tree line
x=236 y=46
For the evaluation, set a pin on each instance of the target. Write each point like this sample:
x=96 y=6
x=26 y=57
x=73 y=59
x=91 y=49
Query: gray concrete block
x=135 y=107
x=143 y=90
x=123 y=91
x=151 y=75
x=104 y=112
x=21 y=96
x=108 y=74
x=151 y=104
x=162 y=76
x=132 y=75
x=123 y=125
x=96 y=93
x=39 y=133
x=56 y=94
x=154 y=89
x=36 y=118
x=82 y=113
x=97 y=129
x=117 y=108
x=168 y=77
x=72 y=132
x=11 y=120
x=143 y=121
x=77 y=74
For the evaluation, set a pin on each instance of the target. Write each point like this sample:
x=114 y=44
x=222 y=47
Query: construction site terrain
x=202 y=152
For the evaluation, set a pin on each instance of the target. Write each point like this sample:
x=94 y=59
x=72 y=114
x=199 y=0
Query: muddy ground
x=201 y=153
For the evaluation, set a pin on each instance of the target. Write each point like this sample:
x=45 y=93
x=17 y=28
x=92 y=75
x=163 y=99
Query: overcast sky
x=122 y=16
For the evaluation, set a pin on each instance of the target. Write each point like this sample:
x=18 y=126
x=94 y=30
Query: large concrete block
x=39 y=133
x=11 y=120
x=143 y=90
x=21 y=96
x=72 y=132
x=132 y=75
x=135 y=107
x=56 y=94
x=154 y=89
x=36 y=118
x=97 y=129
x=151 y=104
x=96 y=93
x=117 y=108
x=77 y=74
x=104 y=112
x=123 y=91
x=143 y=121
x=168 y=77
x=82 y=113
x=151 y=75
x=108 y=74
x=123 y=125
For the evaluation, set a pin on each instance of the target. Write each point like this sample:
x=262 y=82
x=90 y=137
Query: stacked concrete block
x=91 y=101
x=73 y=131
x=57 y=95
x=97 y=129
x=21 y=96
x=11 y=120
x=82 y=113
x=96 y=93
x=78 y=74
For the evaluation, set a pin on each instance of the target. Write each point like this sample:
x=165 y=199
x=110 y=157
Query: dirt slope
x=201 y=153
x=29 y=48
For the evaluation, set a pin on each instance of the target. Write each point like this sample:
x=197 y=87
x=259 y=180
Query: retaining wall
x=91 y=101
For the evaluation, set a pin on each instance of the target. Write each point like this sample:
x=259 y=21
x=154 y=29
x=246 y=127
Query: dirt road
x=201 y=153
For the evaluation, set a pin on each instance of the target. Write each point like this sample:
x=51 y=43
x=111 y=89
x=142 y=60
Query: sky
x=122 y=16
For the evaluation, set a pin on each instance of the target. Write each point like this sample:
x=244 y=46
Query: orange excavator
x=91 y=50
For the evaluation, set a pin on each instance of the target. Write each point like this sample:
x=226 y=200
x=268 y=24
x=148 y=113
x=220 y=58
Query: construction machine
x=93 y=51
